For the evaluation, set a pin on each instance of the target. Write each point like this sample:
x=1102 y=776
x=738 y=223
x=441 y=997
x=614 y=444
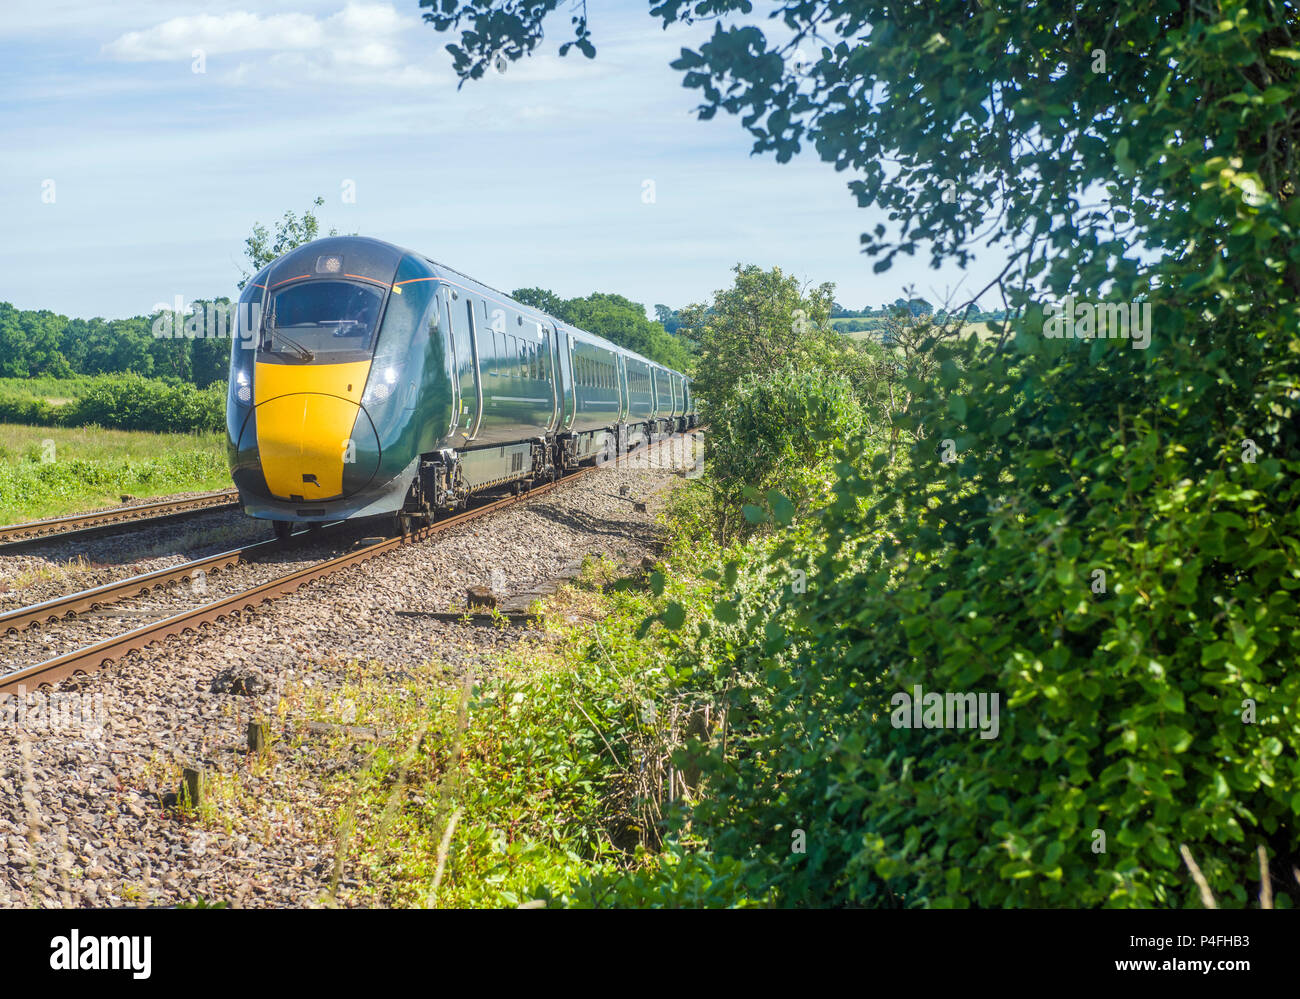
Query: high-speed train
x=369 y=380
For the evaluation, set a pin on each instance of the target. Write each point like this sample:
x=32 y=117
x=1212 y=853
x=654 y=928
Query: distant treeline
x=916 y=306
x=34 y=343
x=39 y=342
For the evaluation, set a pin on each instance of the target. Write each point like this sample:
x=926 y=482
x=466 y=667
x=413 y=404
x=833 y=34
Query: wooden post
x=259 y=736
x=192 y=787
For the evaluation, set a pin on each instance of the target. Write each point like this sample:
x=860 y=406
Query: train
x=368 y=380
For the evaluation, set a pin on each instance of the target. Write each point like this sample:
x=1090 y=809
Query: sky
x=132 y=169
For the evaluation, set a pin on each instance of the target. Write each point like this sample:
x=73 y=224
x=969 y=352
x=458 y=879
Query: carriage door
x=546 y=334
x=467 y=349
x=468 y=388
x=441 y=314
x=624 y=401
x=565 y=347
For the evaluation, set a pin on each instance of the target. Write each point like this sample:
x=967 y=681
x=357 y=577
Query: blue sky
x=534 y=177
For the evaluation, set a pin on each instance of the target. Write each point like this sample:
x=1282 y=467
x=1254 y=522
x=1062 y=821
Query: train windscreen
x=322 y=317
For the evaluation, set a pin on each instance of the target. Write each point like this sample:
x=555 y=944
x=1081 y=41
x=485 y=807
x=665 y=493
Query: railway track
x=16 y=536
x=94 y=657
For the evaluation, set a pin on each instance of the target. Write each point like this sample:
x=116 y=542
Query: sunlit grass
x=52 y=471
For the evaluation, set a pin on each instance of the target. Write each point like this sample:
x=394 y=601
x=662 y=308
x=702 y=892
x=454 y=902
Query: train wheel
x=283 y=528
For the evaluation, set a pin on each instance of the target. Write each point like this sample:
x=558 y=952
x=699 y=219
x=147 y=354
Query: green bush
x=135 y=403
x=26 y=409
x=1150 y=708
x=779 y=431
x=119 y=402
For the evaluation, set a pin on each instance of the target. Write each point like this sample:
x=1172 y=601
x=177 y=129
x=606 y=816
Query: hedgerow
x=120 y=402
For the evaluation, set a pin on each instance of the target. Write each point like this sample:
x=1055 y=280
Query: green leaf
x=725 y=611
x=782 y=508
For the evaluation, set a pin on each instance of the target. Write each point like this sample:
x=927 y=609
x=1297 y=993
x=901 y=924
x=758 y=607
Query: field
x=51 y=471
x=986 y=331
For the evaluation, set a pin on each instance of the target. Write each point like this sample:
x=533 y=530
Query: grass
x=93 y=468
x=50 y=571
x=511 y=791
x=52 y=389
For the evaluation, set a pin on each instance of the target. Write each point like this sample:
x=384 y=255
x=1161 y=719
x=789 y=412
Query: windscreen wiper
x=274 y=331
x=302 y=351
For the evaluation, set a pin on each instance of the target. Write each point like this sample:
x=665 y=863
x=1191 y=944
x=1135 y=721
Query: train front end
x=337 y=370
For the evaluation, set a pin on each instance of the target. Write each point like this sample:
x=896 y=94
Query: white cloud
x=238 y=31
x=370 y=20
x=369 y=44
x=362 y=42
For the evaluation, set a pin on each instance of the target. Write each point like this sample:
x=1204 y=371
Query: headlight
x=380 y=389
x=242 y=391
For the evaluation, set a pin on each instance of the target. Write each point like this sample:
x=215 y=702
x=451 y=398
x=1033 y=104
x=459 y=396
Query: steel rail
x=58 y=608
x=83 y=525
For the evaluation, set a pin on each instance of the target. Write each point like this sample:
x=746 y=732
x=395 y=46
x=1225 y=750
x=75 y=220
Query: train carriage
x=369 y=380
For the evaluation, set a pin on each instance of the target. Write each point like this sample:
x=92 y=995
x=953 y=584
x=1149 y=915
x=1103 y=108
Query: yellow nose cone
x=306 y=419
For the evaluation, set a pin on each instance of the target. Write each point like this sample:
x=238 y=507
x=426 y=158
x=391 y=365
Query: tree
x=766 y=321
x=613 y=317
x=624 y=322
x=29 y=343
x=291 y=232
x=539 y=298
x=668 y=318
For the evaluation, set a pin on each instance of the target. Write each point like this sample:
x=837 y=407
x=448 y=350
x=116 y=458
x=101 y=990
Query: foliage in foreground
x=527 y=786
x=1160 y=710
